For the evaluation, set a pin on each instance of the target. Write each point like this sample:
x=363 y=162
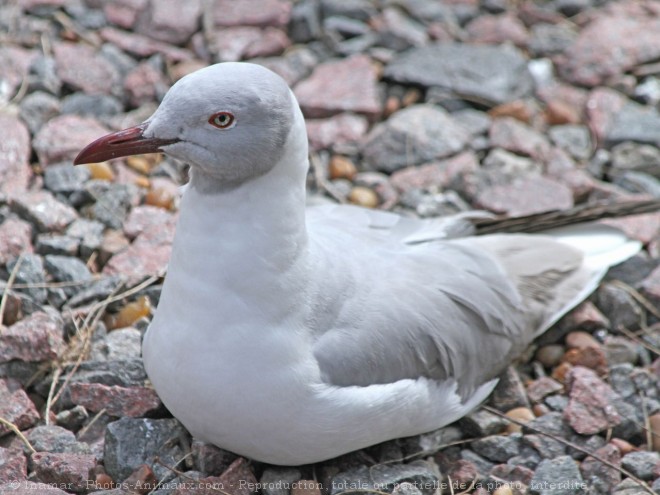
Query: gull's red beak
x=128 y=142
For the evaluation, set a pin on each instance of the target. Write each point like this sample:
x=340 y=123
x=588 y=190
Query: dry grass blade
x=639 y=341
x=86 y=428
x=648 y=305
x=18 y=433
x=574 y=446
x=321 y=182
x=90 y=322
x=51 y=391
x=50 y=285
x=5 y=293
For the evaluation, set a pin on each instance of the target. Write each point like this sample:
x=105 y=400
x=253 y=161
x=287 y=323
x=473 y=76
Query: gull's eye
x=222 y=120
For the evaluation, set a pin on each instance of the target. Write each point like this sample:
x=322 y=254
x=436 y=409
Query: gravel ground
x=417 y=106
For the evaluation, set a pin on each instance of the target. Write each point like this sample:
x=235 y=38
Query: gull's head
x=231 y=121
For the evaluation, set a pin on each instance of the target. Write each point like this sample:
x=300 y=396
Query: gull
x=292 y=335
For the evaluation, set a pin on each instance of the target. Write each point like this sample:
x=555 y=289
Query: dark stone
x=278 y=480
x=482 y=423
x=385 y=477
x=67 y=269
x=37 y=108
x=642 y=464
x=52 y=438
x=559 y=476
x=412 y=136
x=65 y=178
x=490 y=74
x=575 y=139
x=305 y=24
x=91 y=105
x=635 y=123
x=130 y=442
x=618 y=306
x=57 y=244
x=112 y=206
x=498 y=448
x=30 y=271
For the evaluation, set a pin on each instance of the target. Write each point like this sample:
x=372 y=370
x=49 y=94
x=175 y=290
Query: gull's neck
x=249 y=241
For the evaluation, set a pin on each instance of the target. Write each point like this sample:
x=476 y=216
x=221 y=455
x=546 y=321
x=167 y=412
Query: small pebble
x=363 y=196
x=550 y=355
x=341 y=168
x=521 y=414
x=160 y=197
x=101 y=171
x=129 y=314
x=580 y=340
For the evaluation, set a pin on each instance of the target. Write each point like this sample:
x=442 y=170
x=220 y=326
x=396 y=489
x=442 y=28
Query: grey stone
x=491 y=74
x=632 y=421
x=426 y=11
x=552 y=423
x=95 y=291
x=56 y=244
x=112 y=206
x=655 y=487
x=559 y=476
x=639 y=183
x=119 y=344
x=278 y=480
x=482 y=423
x=412 y=136
x=498 y=448
x=52 y=438
x=72 y=419
x=37 y=108
x=43 y=76
x=628 y=487
x=356 y=9
x=503 y=166
x=385 y=477
x=477 y=123
x=124 y=373
x=92 y=105
x=575 y=139
x=642 y=463
x=590 y=443
x=67 y=269
x=618 y=306
x=398 y=31
x=634 y=270
x=556 y=402
x=30 y=271
x=57 y=296
x=65 y=178
x=118 y=58
x=358 y=44
x=528 y=458
x=636 y=123
x=90 y=233
x=305 y=24
x=545 y=446
x=87 y=17
x=345 y=26
x=550 y=39
x=620 y=350
x=130 y=442
x=483 y=465
x=636 y=157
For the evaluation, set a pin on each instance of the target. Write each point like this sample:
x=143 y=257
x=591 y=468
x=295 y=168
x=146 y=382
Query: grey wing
x=443 y=309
